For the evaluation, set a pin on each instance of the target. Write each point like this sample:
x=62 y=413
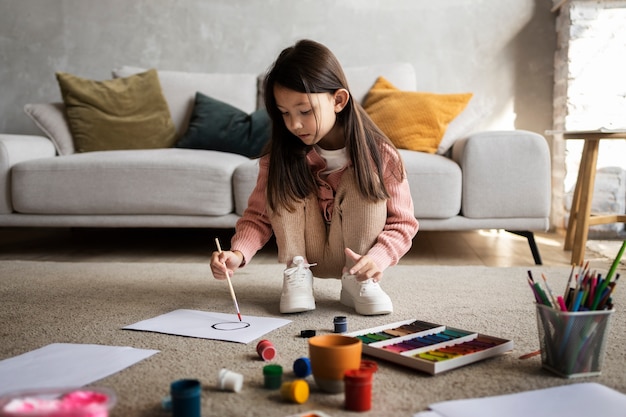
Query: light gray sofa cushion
x=435 y=182
x=152 y=181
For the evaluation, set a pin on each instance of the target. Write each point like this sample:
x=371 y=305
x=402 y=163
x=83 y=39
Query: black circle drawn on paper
x=231 y=325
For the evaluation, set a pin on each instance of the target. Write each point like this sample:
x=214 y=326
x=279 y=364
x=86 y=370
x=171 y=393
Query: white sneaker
x=297 y=295
x=366 y=297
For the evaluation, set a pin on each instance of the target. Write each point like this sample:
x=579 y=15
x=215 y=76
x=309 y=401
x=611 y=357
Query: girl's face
x=312 y=117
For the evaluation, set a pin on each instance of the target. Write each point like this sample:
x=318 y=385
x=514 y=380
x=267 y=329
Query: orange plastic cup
x=331 y=356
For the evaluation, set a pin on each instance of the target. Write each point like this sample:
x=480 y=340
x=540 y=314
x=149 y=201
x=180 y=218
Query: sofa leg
x=531 y=242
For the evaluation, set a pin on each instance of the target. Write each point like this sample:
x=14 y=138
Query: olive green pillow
x=218 y=126
x=122 y=113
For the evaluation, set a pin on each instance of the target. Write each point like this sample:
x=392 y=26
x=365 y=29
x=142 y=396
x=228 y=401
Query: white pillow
x=50 y=118
x=462 y=125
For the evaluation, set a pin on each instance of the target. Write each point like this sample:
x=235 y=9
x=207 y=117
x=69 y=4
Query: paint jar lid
x=272 y=370
x=296 y=391
x=357 y=376
x=307 y=333
x=341 y=324
x=266 y=350
x=229 y=380
x=302 y=367
x=368 y=366
x=185 y=388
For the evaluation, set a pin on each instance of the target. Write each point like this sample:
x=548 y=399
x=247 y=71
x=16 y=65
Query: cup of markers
x=573 y=327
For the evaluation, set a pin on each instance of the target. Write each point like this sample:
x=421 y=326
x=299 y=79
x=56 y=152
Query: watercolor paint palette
x=429 y=347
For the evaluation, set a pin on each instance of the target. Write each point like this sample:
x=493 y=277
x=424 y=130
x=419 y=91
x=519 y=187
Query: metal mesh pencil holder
x=572 y=343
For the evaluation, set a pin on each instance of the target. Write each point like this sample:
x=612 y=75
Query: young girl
x=331 y=187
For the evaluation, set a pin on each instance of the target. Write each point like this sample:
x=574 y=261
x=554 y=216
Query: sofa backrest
x=240 y=90
x=361 y=79
x=179 y=89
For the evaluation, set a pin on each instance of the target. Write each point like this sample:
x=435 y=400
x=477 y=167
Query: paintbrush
x=230 y=284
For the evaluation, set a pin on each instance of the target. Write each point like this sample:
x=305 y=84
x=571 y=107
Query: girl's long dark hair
x=309 y=67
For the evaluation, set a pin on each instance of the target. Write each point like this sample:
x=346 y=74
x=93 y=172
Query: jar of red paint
x=358 y=389
x=266 y=350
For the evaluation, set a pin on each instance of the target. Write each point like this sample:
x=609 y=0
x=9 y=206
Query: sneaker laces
x=368 y=286
x=296 y=275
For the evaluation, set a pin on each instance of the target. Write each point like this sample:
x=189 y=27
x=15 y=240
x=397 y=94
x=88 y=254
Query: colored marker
x=542 y=295
x=530 y=283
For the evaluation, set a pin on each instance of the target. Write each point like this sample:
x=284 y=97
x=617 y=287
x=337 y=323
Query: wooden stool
x=580 y=214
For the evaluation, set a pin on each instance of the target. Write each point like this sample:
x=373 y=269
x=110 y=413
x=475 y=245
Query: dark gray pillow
x=218 y=126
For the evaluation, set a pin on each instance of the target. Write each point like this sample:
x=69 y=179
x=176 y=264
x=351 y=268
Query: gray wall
x=502 y=51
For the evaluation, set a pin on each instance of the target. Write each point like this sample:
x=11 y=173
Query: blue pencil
x=579 y=298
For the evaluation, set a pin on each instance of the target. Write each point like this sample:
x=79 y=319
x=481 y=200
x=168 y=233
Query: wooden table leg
x=588 y=165
x=575 y=208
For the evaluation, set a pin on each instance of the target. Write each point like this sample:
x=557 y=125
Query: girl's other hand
x=224 y=263
x=364 y=267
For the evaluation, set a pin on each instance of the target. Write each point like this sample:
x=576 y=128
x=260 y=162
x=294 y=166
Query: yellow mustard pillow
x=122 y=113
x=412 y=120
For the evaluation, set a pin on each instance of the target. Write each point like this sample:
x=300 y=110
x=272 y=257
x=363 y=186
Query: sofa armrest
x=15 y=149
x=505 y=174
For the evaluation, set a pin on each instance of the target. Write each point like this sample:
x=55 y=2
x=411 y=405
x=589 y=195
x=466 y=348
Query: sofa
x=475 y=180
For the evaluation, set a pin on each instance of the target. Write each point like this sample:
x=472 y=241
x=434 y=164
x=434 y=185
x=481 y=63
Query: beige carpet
x=47 y=302
x=604 y=248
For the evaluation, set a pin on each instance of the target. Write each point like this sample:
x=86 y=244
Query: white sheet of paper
x=209 y=325
x=575 y=400
x=61 y=365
